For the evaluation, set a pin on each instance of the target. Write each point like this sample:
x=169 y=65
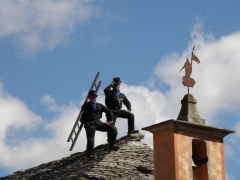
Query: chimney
x=186 y=148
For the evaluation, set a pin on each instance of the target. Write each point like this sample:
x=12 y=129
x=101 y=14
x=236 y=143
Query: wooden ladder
x=78 y=124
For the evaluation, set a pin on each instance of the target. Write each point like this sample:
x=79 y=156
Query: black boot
x=90 y=155
x=133 y=132
x=113 y=147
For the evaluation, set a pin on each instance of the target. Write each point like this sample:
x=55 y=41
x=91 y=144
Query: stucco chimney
x=186 y=148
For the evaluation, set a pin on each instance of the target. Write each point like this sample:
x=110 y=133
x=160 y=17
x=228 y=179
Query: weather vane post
x=187 y=80
x=189 y=110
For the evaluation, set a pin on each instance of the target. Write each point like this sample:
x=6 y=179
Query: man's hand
x=109 y=122
x=128 y=111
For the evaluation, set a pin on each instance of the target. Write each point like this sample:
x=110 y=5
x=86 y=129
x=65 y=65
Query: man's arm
x=82 y=110
x=126 y=102
x=108 y=112
x=107 y=90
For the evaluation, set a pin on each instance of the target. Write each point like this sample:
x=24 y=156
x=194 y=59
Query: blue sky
x=51 y=50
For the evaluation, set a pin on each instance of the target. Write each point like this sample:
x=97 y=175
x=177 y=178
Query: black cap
x=117 y=80
x=92 y=93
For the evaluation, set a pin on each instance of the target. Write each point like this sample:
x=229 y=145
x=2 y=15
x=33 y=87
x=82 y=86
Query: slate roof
x=134 y=160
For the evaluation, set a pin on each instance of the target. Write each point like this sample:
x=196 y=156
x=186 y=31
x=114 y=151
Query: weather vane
x=187 y=80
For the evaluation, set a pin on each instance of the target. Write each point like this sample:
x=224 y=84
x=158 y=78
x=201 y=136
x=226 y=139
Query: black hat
x=92 y=93
x=117 y=80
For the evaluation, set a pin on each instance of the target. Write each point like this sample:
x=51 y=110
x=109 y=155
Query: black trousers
x=92 y=127
x=123 y=114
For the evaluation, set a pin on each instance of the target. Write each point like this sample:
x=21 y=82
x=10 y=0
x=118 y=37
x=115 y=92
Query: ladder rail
x=76 y=124
x=76 y=137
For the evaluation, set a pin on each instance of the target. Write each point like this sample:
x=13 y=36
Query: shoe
x=114 y=148
x=133 y=132
x=90 y=156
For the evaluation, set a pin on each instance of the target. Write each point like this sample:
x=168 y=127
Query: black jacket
x=90 y=115
x=113 y=102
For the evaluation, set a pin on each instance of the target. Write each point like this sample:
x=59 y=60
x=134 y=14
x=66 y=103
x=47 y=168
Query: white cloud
x=216 y=76
x=237 y=129
x=229 y=177
x=229 y=151
x=216 y=89
x=14 y=114
x=51 y=103
x=44 y=24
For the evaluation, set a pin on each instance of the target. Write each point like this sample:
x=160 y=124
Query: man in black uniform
x=92 y=113
x=114 y=99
